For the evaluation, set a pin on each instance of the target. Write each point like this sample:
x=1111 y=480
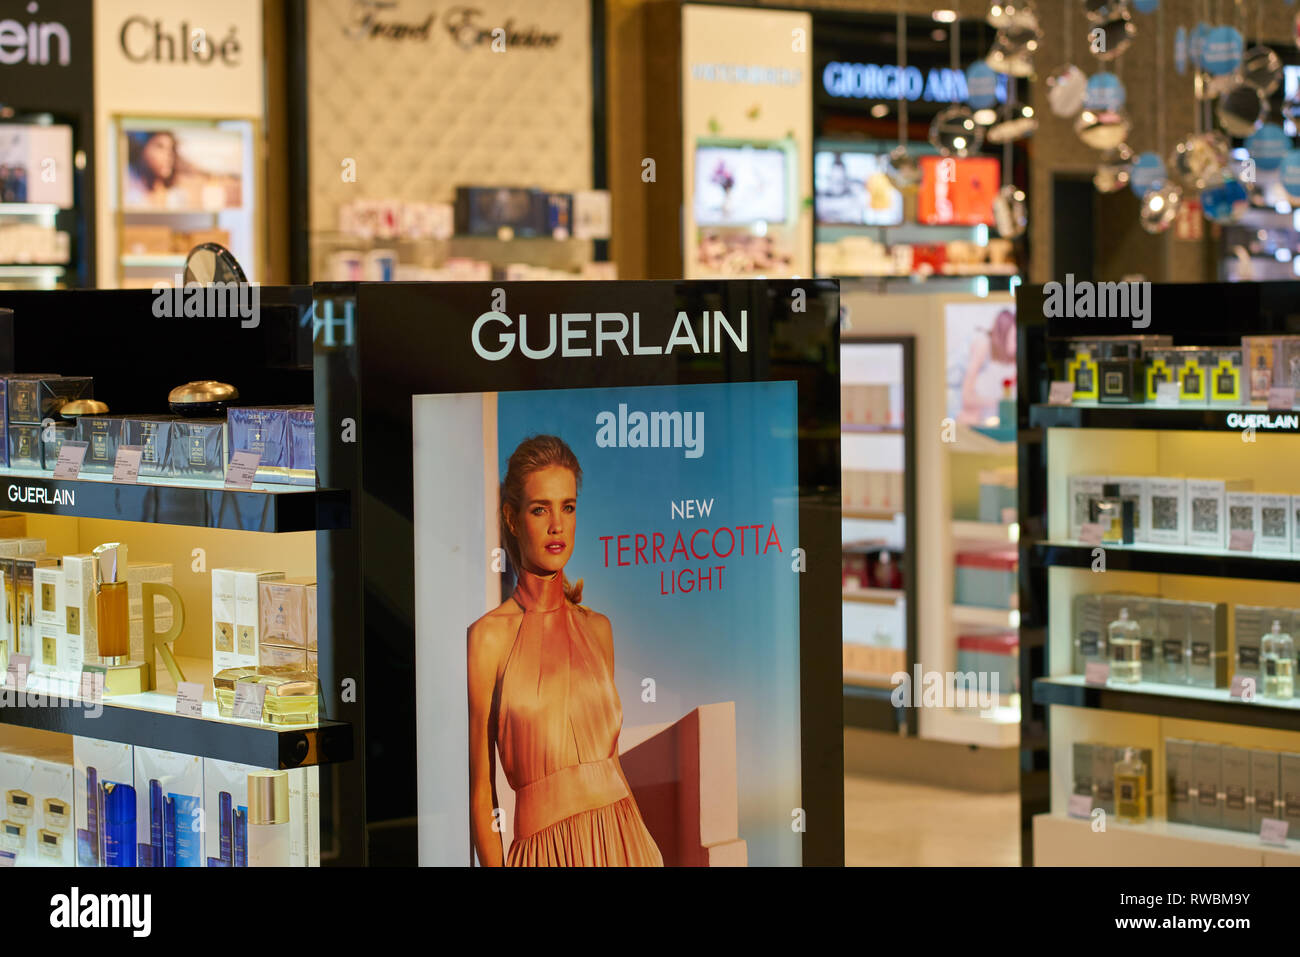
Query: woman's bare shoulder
x=497 y=625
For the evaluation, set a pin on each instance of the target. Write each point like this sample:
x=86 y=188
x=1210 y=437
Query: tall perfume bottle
x=1261 y=377
x=1131 y=788
x=1125 y=643
x=111 y=605
x=268 y=819
x=1279 y=663
x=119 y=825
x=1115 y=515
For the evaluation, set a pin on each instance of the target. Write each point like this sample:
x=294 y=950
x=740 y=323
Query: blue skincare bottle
x=119 y=825
x=224 y=825
x=240 y=846
x=169 y=831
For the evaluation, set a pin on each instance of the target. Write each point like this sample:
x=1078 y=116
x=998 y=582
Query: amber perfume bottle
x=111 y=606
x=1115 y=515
x=1130 y=787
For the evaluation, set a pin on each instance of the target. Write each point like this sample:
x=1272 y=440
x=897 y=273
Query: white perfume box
x=1275 y=524
x=235 y=616
x=169 y=792
x=46 y=646
x=1132 y=488
x=1295 y=524
x=55 y=841
x=1243 y=516
x=21 y=547
x=1207 y=519
x=79 y=607
x=1164 y=510
x=47 y=585
x=1083 y=489
x=96 y=763
x=219 y=815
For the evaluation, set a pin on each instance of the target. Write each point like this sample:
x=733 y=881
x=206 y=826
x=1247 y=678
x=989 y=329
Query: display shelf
x=31 y=269
x=1063 y=840
x=1172 y=560
x=1170 y=701
x=264 y=508
x=973 y=441
x=855 y=429
x=1167 y=418
x=863 y=680
x=1001 y=729
x=150 y=720
x=29 y=209
x=875 y=596
x=991 y=532
x=975 y=616
x=873 y=709
x=134 y=260
x=870 y=514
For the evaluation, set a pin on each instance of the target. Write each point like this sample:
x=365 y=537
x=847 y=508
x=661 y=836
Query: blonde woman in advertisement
x=541 y=690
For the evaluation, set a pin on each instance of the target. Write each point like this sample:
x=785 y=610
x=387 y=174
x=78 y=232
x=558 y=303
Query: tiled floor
x=895 y=824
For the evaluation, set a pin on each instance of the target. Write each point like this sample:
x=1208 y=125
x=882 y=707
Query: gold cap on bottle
x=268 y=797
x=107 y=568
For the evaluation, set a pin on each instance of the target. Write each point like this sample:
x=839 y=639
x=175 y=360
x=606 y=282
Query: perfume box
x=282 y=610
x=1159 y=365
x=302 y=445
x=97 y=766
x=1207 y=779
x=484 y=211
x=1119 y=377
x=25 y=450
x=311 y=617
x=1178 y=780
x=1207 y=644
x=278 y=656
x=1194 y=366
x=1275 y=529
x=199 y=448
x=1164 y=507
x=1083 y=489
x=1146 y=612
x=102 y=434
x=33 y=399
x=48 y=583
x=264 y=430
x=1225 y=378
x=25 y=601
x=79 y=607
x=21 y=547
x=225 y=812
x=1103 y=776
x=1287 y=360
x=1132 y=488
x=559 y=213
x=1243 y=516
x=1236 y=788
x=1171 y=643
x=1289 y=786
x=235 y=621
x=1263 y=787
x=152 y=434
x=169 y=816
x=1207 y=525
x=1089 y=632
x=53 y=435
x=1248 y=628
x=1259 y=355
x=18 y=819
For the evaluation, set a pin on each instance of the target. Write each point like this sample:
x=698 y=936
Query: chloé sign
x=152 y=41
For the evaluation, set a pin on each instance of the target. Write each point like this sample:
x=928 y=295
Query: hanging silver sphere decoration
x=1262 y=69
x=1013 y=51
x=1241 y=110
x=904 y=171
x=1115 y=170
x=1010 y=212
x=1160 y=207
x=1117 y=35
x=1196 y=161
x=1014 y=122
x=1066 y=87
x=1102 y=129
x=954 y=131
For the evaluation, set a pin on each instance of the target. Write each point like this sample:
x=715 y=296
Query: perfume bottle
x=239 y=837
x=111 y=605
x=1125 y=649
x=1130 y=788
x=1261 y=377
x=1114 y=514
x=1279 y=663
x=119 y=825
x=268 y=819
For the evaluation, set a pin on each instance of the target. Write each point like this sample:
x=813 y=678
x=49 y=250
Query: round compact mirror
x=1117 y=36
x=1160 y=207
x=904 y=171
x=1102 y=129
x=212 y=262
x=954 y=131
x=1199 y=159
x=1066 y=87
x=1010 y=212
x=1014 y=122
x=1262 y=69
x=1241 y=110
x=1013 y=51
x=1114 y=171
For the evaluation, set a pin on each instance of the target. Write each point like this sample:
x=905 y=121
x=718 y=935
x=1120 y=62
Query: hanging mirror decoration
x=1262 y=69
x=1010 y=212
x=1116 y=36
x=1099 y=11
x=1241 y=110
x=904 y=171
x=1160 y=207
x=1013 y=51
x=1067 y=84
x=1015 y=121
x=1114 y=171
x=1198 y=160
x=1103 y=124
x=954 y=132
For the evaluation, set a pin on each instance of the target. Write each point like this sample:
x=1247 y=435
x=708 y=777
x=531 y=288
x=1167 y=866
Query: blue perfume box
x=264 y=430
x=302 y=446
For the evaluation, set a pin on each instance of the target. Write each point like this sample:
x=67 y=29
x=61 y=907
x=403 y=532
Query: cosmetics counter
x=137 y=717
x=1158 y=580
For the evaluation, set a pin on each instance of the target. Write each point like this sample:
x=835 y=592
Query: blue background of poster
x=740 y=643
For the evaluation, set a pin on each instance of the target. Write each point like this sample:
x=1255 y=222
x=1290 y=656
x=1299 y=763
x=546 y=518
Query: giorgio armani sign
x=467 y=27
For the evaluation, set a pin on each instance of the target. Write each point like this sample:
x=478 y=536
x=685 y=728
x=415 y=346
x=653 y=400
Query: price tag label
x=1090 y=533
x=248 y=701
x=16 y=677
x=1241 y=540
x=1060 y=393
x=1243 y=687
x=1096 y=673
x=1273 y=831
x=126 y=467
x=71 y=455
x=1166 y=393
x=1080 y=805
x=189 y=699
x=92 y=685
x=8 y=858
x=243 y=467
x=1281 y=397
